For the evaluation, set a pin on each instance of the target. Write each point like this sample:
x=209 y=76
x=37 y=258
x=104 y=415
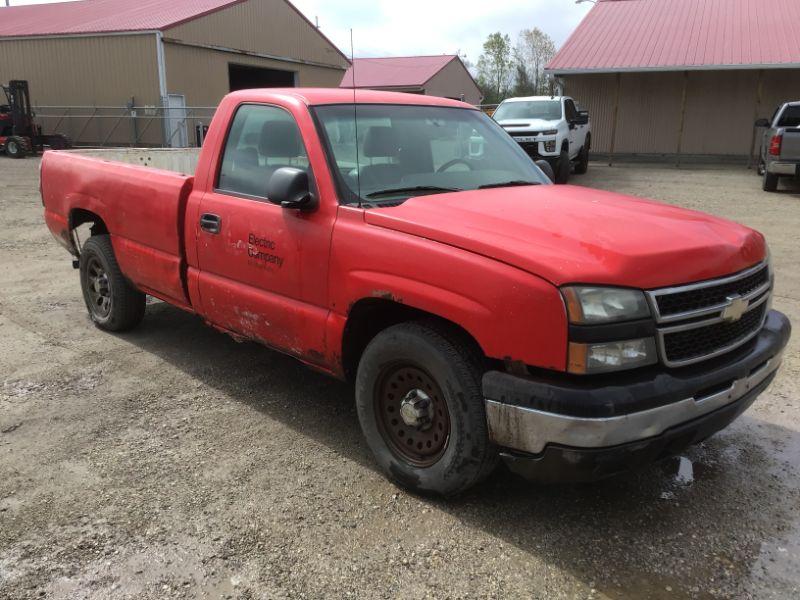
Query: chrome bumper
x=530 y=430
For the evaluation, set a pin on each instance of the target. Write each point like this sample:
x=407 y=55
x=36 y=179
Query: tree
x=534 y=50
x=495 y=68
x=523 y=86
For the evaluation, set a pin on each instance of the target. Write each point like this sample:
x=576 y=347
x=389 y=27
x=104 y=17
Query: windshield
x=549 y=110
x=407 y=151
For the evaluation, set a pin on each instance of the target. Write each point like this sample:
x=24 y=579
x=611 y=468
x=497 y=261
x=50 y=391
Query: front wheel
x=582 y=165
x=562 y=167
x=113 y=303
x=421 y=408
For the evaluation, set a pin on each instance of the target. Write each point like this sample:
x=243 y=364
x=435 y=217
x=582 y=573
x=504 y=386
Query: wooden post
x=683 y=116
x=759 y=94
x=614 y=121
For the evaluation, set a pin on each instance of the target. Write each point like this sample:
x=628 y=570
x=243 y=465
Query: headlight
x=551 y=132
x=611 y=356
x=593 y=305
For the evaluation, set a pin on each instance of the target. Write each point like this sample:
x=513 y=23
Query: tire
x=562 y=167
x=583 y=158
x=18 y=147
x=113 y=303
x=770 y=182
x=448 y=370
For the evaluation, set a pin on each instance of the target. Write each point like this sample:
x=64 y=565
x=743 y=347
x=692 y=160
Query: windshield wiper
x=412 y=189
x=512 y=183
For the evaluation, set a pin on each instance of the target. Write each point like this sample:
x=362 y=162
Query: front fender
x=513 y=315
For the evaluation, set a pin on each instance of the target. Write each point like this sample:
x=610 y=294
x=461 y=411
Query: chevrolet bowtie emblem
x=736 y=307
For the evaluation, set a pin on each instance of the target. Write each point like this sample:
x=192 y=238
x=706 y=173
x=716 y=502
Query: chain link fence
x=131 y=126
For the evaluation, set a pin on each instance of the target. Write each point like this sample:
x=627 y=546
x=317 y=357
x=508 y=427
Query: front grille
x=703 y=297
x=524 y=133
x=701 y=342
x=694 y=321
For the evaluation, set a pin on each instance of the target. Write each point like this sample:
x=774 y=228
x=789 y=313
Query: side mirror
x=290 y=188
x=546 y=169
x=582 y=118
x=762 y=123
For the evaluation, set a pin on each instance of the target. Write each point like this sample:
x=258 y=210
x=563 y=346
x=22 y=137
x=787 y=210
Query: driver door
x=263 y=268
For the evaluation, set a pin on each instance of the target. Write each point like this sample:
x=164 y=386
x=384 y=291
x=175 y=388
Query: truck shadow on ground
x=659 y=532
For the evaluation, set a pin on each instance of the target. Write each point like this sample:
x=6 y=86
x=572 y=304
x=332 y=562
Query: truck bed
x=139 y=195
x=178 y=160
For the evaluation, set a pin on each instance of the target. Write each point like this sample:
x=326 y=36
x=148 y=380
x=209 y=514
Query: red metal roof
x=641 y=35
x=103 y=16
x=395 y=72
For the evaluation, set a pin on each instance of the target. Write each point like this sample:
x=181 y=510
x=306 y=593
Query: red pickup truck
x=408 y=244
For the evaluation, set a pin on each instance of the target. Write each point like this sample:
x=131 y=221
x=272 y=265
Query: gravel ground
x=173 y=462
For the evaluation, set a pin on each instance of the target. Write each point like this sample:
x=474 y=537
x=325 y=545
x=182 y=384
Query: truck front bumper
x=572 y=429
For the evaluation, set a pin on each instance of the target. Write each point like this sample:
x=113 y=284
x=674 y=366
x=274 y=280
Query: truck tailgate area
x=790 y=148
x=142 y=208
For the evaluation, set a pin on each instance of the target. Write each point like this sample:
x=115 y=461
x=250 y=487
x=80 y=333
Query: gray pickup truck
x=780 y=145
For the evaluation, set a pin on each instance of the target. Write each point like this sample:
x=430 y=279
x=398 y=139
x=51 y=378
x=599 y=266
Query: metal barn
x=681 y=77
x=152 y=72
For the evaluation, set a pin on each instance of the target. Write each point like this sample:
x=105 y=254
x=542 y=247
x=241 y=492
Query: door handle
x=210 y=223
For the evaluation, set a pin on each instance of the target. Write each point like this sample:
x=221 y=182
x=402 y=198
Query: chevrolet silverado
x=406 y=243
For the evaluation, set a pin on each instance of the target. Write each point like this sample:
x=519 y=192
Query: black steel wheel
x=113 y=303
x=412 y=414
x=421 y=408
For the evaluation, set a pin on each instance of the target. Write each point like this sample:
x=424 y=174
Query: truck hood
x=571 y=234
x=535 y=124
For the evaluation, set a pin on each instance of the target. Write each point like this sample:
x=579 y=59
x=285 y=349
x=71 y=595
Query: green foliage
x=504 y=70
x=495 y=68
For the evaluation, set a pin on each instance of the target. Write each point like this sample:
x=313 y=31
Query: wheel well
x=369 y=316
x=80 y=216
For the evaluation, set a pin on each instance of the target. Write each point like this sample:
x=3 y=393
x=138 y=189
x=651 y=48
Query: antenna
x=355 y=117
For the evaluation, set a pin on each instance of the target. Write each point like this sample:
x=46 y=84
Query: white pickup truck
x=780 y=145
x=550 y=128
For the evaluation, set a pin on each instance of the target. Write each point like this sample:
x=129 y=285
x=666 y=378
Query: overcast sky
x=409 y=27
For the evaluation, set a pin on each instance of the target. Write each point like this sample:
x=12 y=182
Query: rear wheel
x=18 y=147
x=419 y=401
x=770 y=182
x=113 y=303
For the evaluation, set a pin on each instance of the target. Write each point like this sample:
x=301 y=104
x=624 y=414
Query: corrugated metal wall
x=720 y=109
x=264 y=26
x=452 y=82
x=202 y=74
x=86 y=71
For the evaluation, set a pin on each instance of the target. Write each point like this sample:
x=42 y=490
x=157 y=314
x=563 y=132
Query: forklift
x=19 y=135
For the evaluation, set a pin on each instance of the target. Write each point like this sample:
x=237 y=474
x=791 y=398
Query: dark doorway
x=243 y=77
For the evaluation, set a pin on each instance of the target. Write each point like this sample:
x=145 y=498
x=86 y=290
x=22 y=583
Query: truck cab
x=550 y=128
